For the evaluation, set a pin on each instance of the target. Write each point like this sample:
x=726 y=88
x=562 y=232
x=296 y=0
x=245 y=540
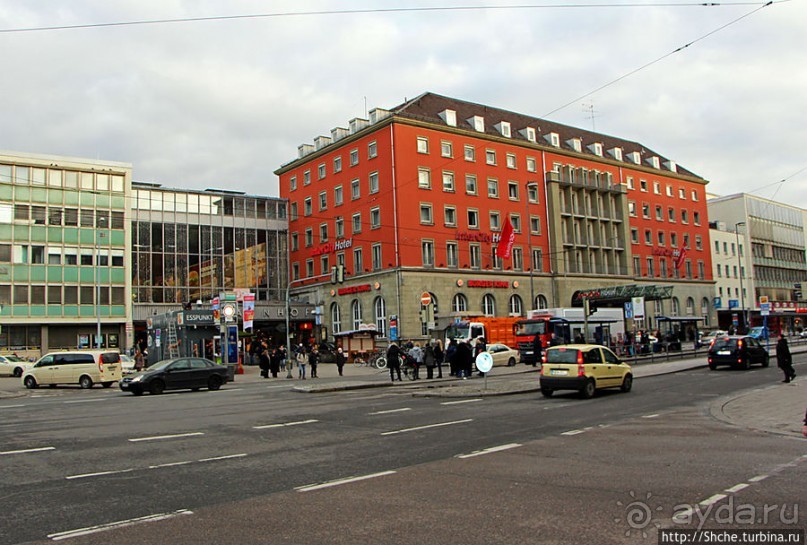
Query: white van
x=82 y=367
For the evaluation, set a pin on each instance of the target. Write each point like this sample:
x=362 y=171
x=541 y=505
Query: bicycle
x=376 y=360
x=408 y=367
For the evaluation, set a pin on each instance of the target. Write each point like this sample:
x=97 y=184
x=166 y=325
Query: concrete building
x=734 y=287
x=414 y=200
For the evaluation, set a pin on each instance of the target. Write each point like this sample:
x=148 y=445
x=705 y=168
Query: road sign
x=765 y=309
x=763 y=299
x=426 y=298
x=484 y=362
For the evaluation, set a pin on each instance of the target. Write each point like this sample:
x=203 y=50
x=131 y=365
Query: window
x=295 y=271
x=292 y=183
x=637 y=266
x=424 y=178
x=459 y=303
x=684 y=216
x=657 y=188
x=423 y=144
x=495 y=223
x=669 y=190
x=426 y=217
x=518 y=259
x=337 y=167
x=490 y=157
x=356 y=223
x=634 y=235
x=476 y=255
x=338 y=196
x=682 y=194
x=375 y=218
x=671 y=214
x=321 y=171
x=701 y=270
x=531 y=164
x=493 y=188
x=309 y=237
x=323 y=201
x=516 y=306
x=470 y=154
x=535 y=225
x=674 y=240
x=696 y=218
x=643 y=186
x=659 y=213
x=515 y=221
x=698 y=243
x=512 y=191
x=648 y=237
x=510 y=158
x=309 y=268
x=336 y=318
x=380 y=312
x=306 y=177
x=372 y=150
x=373 y=182
x=427 y=252
x=532 y=193
x=473 y=218
x=694 y=195
x=355 y=190
x=293 y=211
x=450 y=216
x=645 y=210
x=378 y=262
x=470 y=184
x=358 y=262
x=324 y=264
x=354 y=157
x=339 y=227
x=323 y=232
x=661 y=239
x=446 y=149
x=629 y=181
x=452 y=255
x=488 y=305
x=355 y=311
x=537 y=260
x=307 y=210
x=632 y=208
x=448 y=182
x=650 y=267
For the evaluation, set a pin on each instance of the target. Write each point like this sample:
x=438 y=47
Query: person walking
x=313 y=360
x=394 y=361
x=340 y=360
x=464 y=359
x=537 y=350
x=301 y=361
x=139 y=360
x=274 y=362
x=429 y=360
x=417 y=357
x=451 y=357
x=784 y=359
x=481 y=346
x=438 y=357
x=263 y=359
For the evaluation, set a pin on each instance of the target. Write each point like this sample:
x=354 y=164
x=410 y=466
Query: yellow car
x=585 y=368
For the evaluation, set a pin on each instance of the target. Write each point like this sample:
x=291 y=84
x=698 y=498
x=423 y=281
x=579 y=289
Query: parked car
x=82 y=367
x=13 y=365
x=502 y=354
x=585 y=368
x=709 y=336
x=127 y=364
x=737 y=350
x=176 y=374
x=759 y=333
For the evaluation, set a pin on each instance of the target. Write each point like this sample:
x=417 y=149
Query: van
x=82 y=367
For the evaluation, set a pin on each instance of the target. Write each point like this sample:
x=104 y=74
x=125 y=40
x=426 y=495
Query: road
x=258 y=463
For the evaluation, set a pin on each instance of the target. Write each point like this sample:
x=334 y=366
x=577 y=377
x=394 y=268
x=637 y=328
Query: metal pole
x=740 y=273
x=99 y=235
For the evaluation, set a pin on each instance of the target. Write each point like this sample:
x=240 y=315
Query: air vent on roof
x=616 y=153
x=596 y=148
x=357 y=124
x=321 y=141
x=338 y=133
x=450 y=117
x=504 y=128
x=377 y=114
x=635 y=157
x=654 y=162
x=304 y=149
x=671 y=166
x=528 y=133
x=477 y=122
x=553 y=138
x=575 y=143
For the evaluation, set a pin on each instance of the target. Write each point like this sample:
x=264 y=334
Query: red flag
x=679 y=259
x=506 y=240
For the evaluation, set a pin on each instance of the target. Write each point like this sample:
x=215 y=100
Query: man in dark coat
x=340 y=360
x=464 y=357
x=784 y=359
x=313 y=360
x=263 y=360
x=537 y=350
x=394 y=361
x=451 y=357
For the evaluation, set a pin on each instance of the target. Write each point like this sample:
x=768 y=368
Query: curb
x=716 y=411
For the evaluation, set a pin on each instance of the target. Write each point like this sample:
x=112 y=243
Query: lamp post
x=100 y=235
x=529 y=244
x=740 y=272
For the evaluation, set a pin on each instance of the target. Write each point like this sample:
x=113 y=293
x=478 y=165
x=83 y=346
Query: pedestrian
x=481 y=346
x=263 y=360
x=274 y=362
x=428 y=359
x=784 y=359
x=394 y=361
x=464 y=357
x=340 y=360
x=139 y=361
x=451 y=357
x=417 y=358
x=313 y=360
x=537 y=350
x=301 y=361
x=438 y=357
x=554 y=340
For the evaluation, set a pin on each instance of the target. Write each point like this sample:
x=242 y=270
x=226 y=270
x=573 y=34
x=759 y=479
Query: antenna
x=588 y=108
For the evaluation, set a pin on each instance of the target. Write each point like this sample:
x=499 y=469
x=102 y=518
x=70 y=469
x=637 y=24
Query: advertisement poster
x=232 y=344
x=249 y=310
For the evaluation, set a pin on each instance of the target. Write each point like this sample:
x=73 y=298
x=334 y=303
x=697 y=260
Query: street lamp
x=100 y=235
x=529 y=244
x=740 y=265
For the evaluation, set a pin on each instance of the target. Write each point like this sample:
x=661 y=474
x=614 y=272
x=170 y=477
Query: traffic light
x=589 y=306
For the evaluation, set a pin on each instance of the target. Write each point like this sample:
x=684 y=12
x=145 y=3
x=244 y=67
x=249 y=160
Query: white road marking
x=99 y=474
x=428 y=426
x=758 y=478
x=390 y=411
x=85 y=400
x=310 y=487
x=712 y=500
x=489 y=450
x=270 y=426
x=573 y=432
x=171 y=464
x=119 y=524
x=650 y=416
x=161 y=437
x=26 y=451
x=227 y=457
x=461 y=401
x=736 y=488
x=11 y=406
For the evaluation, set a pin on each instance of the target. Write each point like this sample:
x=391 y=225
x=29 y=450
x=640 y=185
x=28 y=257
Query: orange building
x=413 y=200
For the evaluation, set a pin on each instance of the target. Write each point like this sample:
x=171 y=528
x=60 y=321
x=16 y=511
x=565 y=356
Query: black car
x=176 y=374
x=737 y=350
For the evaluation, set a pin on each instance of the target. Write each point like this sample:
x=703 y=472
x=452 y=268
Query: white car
x=502 y=354
x=127 y=364
x=13 y=366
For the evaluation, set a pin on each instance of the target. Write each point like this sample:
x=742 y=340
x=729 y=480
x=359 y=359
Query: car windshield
x=531 y=328
x=723 y=343
x=561 y=355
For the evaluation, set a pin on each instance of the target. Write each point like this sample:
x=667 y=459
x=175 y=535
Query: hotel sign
x=331 y=247
x=478 y=237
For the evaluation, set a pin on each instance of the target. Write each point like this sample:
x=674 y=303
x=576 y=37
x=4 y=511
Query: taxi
x=585 y=368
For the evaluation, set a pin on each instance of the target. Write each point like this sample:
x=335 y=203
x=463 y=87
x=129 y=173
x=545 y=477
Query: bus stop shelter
x=675 y=330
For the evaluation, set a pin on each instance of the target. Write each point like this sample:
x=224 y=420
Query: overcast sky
x=223 y=103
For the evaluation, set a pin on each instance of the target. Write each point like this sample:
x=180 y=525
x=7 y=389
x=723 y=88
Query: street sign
x=484 y=362
x=426 y=298
x=764 y=309
x=763 y=299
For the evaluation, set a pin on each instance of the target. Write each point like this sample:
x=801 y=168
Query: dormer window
x=596 y=149
x=616 y=153
x=504 y=128
x=576 y=144
x=477 y=122
x=554 y=139
x=529 y=133
x=654 y=162
x=671 y=166
x=635 y=158
x=450 y=117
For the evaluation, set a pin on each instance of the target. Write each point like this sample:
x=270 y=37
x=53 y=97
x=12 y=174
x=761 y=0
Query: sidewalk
x=778 y=408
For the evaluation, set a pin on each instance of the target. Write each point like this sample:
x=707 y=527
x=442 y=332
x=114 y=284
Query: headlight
x=138 y=378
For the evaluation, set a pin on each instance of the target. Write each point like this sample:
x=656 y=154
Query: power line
x=370 y=11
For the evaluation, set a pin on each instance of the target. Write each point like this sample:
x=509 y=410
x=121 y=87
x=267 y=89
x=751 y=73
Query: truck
x=494 y=330
x=565 y=324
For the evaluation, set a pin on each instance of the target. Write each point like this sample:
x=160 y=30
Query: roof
x=428 y=106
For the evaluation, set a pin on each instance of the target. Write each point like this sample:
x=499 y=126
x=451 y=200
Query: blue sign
x=628 y=311
x=734 y=303
x=232 y=344
x=393 y=327
x=717 y=302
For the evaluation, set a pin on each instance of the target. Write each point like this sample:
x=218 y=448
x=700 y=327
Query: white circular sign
x=484 y=362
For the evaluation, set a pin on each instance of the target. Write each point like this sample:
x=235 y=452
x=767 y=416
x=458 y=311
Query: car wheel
x=85 y=382
x=767 y=361
x=712 y=366
x=157 y=387
x=106 y=384
x=588 y=389
x=547 y=392
x=30 y=383
x=214 y=382
x=18 y=372
x=627 y=383
x=511 y=362
x=745 y=364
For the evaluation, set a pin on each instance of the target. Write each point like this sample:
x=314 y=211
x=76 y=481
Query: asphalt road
x=258 y=463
